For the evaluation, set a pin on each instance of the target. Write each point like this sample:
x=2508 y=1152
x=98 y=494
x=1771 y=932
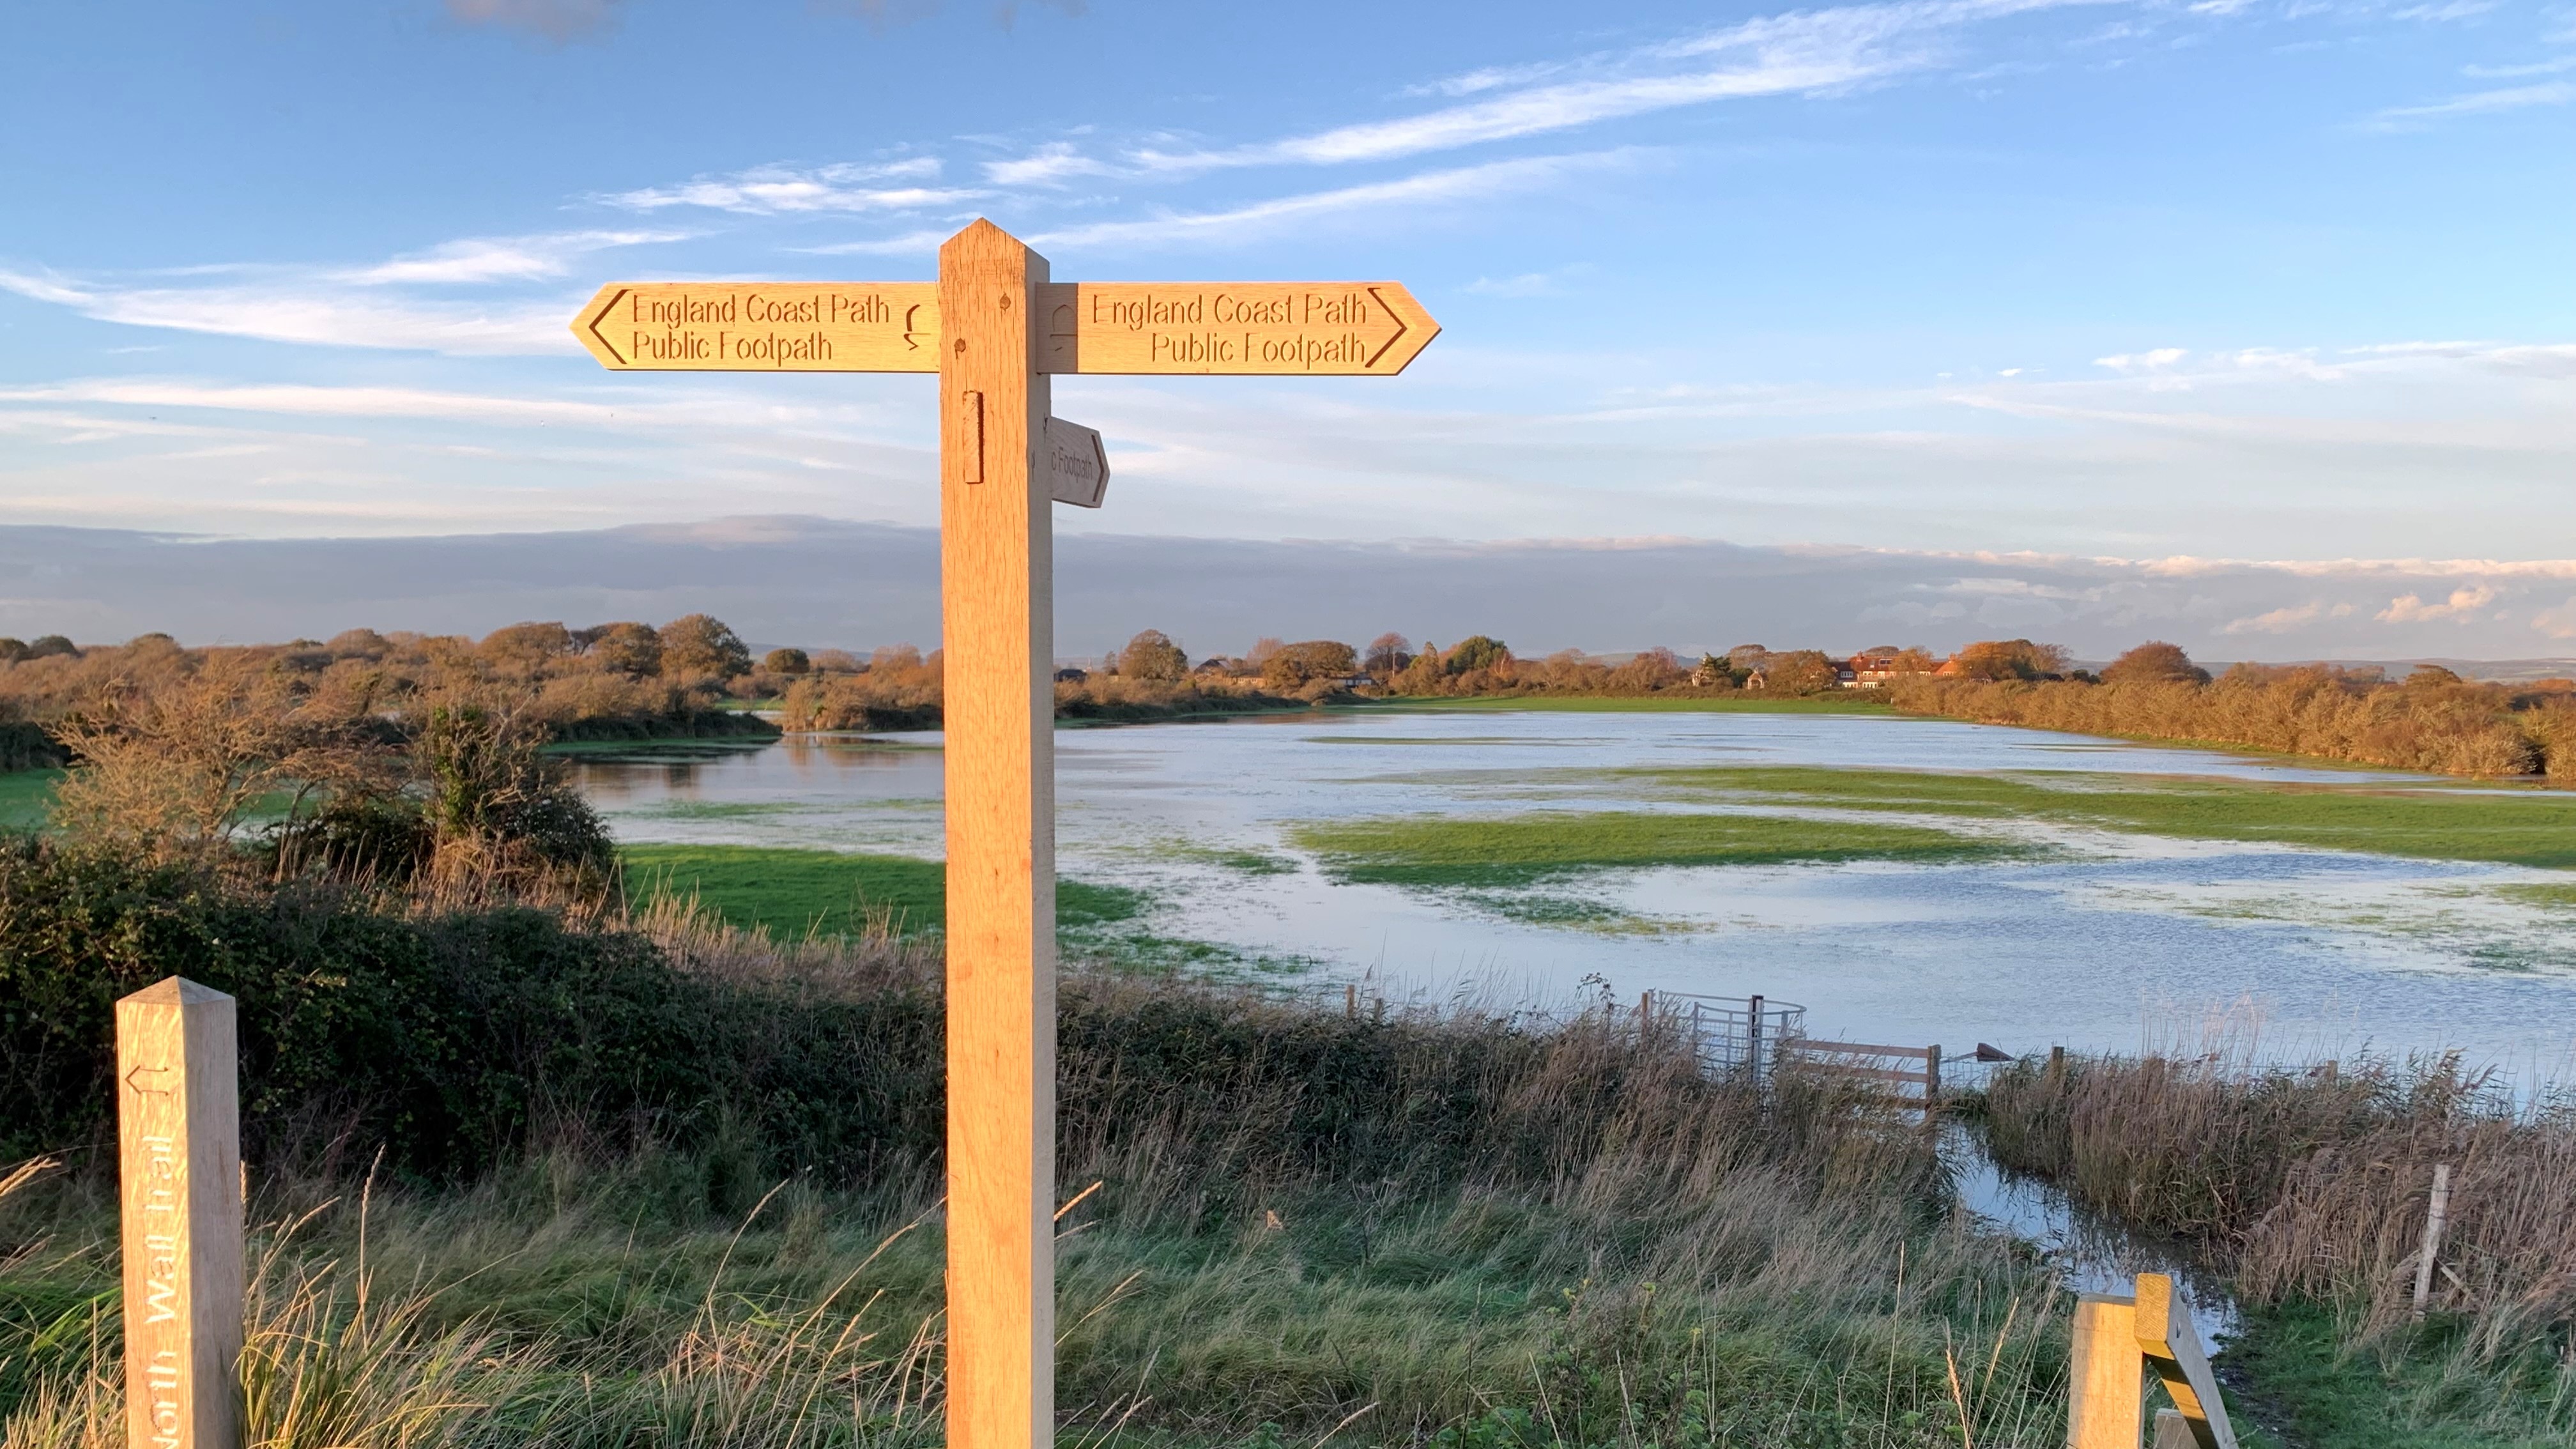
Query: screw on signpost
x=179 y=1187
x=995 y=328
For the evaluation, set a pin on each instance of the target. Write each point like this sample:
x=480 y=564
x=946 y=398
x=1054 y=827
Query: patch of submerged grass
x=2435 y=823
x=794 y=894
x=2549 y=895
x=1651 y=704
x=1574 y=913
x=1517 y=850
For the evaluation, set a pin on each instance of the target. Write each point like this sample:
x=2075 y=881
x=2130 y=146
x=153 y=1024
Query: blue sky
x=2283 y=280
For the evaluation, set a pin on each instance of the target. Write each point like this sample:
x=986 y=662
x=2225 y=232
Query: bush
x=449 y=1038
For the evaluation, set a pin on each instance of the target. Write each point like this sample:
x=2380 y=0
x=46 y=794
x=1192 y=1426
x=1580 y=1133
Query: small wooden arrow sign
x=1320 y=329
x=1077 y=463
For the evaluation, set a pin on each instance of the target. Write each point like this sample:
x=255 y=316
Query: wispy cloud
x=776 y=189
x=474 y=260
x=1049 y=165
x=311 y=310
x=2557 y=65
x=556 y=20
x=1235 y=224
x=2286 y=620
x=2508 y=98
x=909 y=244
x=315 y=401
x=1797 y=53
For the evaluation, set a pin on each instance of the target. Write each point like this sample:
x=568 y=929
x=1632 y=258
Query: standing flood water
x=2084 y=937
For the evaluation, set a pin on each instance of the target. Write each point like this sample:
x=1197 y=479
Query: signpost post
x=995 y=328
x=179 y=1178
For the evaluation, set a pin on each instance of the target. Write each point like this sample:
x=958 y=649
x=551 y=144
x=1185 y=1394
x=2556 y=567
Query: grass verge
x=1517 y=850
x=2515 y=827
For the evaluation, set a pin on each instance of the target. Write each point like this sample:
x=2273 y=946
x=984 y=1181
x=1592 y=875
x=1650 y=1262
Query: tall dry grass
x=1304 y=1224
x=2316 y=1182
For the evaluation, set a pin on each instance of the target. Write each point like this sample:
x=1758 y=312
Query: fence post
x=2056 y=1064
x=2433 y=1221
x=179 y=1185
x=1931 y=1079
x=1351 y=1000
x=2106 y=1407
x=1753 y=1038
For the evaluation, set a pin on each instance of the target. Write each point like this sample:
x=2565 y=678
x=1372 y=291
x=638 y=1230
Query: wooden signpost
x=995 y=327
x=179 y=1178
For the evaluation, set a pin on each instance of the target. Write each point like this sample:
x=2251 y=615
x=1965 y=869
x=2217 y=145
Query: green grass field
x=2513 y=827
x=26 y=798
x=794 y=894
x=1487 y=853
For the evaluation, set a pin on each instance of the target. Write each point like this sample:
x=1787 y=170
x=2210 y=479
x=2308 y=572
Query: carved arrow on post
x=161 y=1081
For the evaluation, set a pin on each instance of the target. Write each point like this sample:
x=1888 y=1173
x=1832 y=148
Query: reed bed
x=2312 y=1184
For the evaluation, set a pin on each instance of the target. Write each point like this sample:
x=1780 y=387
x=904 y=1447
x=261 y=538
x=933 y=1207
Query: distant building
x=1071 y=676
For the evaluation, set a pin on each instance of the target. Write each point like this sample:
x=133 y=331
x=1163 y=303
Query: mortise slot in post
x=970 y=415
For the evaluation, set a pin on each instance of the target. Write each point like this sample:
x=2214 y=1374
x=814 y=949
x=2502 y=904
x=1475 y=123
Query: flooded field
x=1907 y=880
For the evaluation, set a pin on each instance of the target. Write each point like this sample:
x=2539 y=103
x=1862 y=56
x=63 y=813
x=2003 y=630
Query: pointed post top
x=176 y=991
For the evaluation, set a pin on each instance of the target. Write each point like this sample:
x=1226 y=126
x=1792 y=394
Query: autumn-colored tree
x=1476 y=651
x=700 y=644
x=1387 y=653
x=2011 y=659
x=172 y=771
x=1799 y=671
x=359 y=644
x=838 y=661
x=787 y=661
x=1261 y=650
x=2154 y=662
x=1294 y=665
x=1913 y=659
x=51 y=646
x=630 y=649
x=12 y=650
x=1152 y=655
x=526 y=648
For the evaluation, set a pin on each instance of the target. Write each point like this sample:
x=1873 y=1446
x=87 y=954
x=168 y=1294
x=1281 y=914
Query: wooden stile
x=179 y=1187
x=2172 y=1348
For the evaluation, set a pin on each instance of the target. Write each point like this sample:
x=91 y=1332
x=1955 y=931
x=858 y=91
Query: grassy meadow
x=1491 y=853
x=2507 y=826
x=795 y=894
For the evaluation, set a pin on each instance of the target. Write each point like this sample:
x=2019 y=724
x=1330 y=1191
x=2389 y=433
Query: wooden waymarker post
x=995 y=327
x=179 y=1180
